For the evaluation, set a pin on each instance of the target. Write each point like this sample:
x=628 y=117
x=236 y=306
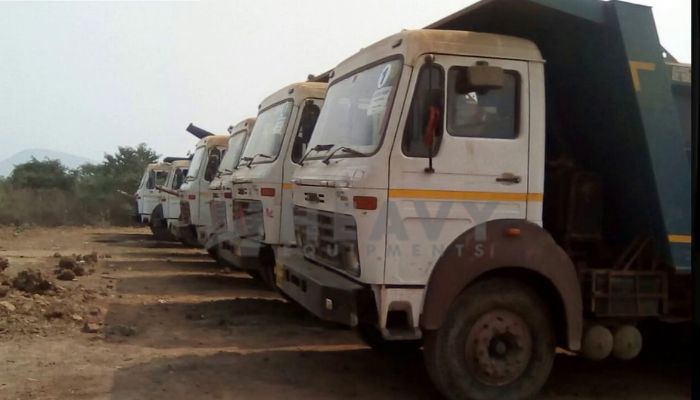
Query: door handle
x=508 y=179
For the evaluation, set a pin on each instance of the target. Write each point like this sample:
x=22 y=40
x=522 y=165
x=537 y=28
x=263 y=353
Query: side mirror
x=480 y=78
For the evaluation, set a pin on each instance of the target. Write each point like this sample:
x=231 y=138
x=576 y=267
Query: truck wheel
x=255 y=275
x=373 y=338
x=497 y=342
x=213 y=253
x=158 y=225
x=267 y=269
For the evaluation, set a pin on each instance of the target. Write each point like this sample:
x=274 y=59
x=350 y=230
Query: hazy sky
x=86 y=77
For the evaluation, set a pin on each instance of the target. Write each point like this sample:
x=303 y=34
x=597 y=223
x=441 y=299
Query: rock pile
x=70 y=267
x=31 y=281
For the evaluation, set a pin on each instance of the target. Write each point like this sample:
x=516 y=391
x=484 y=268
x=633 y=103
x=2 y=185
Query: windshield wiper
x=251 y=159
x=344 y=150
x=318 y=147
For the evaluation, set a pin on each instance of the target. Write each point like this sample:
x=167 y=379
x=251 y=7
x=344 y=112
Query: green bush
x=44 y=192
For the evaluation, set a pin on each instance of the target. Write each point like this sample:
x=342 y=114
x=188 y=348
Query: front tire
x=214 y=253
x=159 y=225
x=497 y=342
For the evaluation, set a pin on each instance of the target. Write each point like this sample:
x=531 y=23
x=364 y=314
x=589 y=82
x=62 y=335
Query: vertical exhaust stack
x=198 y=132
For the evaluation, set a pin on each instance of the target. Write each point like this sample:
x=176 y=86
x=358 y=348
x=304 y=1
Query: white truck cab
x=261 y=183
x=424 y=137
x=195 y=194
x=221 y=203
x=147 y=196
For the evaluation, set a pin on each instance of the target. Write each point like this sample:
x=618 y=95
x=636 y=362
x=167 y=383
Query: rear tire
x=497 y=342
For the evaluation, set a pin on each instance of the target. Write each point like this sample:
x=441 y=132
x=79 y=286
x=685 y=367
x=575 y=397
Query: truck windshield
x=196 y=162
x=144 y=178
x=355 y=110
x=268 y=133
x=233 y=154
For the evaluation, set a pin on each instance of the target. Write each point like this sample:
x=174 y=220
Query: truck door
x=303 y=128
x=479 y=143
x=216 y=154
x=152 y=196
x=140 y=192
x=173 y=202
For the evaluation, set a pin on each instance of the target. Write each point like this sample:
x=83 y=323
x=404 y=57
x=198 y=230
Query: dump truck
x=221 y=202
x=260 y=185
x=167 y=213
x=147 y=196
x=511 y=179
x=194 y=194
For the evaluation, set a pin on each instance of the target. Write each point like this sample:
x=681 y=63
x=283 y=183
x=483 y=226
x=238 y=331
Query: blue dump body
x=623 y=113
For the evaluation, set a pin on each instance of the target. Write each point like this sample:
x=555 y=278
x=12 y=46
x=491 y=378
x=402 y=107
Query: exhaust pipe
x=198 y=132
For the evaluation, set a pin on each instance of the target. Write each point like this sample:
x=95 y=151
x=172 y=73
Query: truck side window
x=424 y=121
x=486 y=114
x=212 y=164
x=179 y=178
x=161 y=177
x=151 y=183
x=306 y=126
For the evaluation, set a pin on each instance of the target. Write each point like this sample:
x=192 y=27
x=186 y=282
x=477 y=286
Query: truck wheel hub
x=498 y=347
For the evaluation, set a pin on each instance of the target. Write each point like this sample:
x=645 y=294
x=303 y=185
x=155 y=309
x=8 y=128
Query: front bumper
x=326 y=294
x=241 y=252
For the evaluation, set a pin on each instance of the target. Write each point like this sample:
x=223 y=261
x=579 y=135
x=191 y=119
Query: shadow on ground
x=140 y=240
x=190 y=284
x=165 y=265
x=357 y=374
x=122 y=237
x=364 y=374
x=188 y=253
x=244 y=323
x=643 y=378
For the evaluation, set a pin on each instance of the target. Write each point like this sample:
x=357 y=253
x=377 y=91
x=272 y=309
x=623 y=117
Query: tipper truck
x=510 y=179
x=220 y=204
x=194 y=193
x=260 y=185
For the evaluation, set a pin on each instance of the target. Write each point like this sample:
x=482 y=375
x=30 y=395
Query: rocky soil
x=88 y=313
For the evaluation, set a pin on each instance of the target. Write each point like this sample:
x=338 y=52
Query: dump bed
x=611 y=104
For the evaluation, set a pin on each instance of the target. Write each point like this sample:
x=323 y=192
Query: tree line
x=45 y=192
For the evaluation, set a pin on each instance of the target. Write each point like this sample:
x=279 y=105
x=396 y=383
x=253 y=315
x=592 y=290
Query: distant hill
x=69 y=160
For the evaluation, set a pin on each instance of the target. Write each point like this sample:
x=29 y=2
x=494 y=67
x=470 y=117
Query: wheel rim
x=498 y=348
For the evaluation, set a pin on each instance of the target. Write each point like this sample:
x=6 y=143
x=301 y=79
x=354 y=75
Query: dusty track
x=201 y=333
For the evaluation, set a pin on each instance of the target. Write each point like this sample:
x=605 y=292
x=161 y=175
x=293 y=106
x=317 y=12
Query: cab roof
x=296 y=91
x=412 y=44
x=181 y=163
x=159 y=166
x=246 y=124
x=216 y=140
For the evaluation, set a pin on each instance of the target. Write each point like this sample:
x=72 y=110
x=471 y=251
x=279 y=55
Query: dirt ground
x=155 y=320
